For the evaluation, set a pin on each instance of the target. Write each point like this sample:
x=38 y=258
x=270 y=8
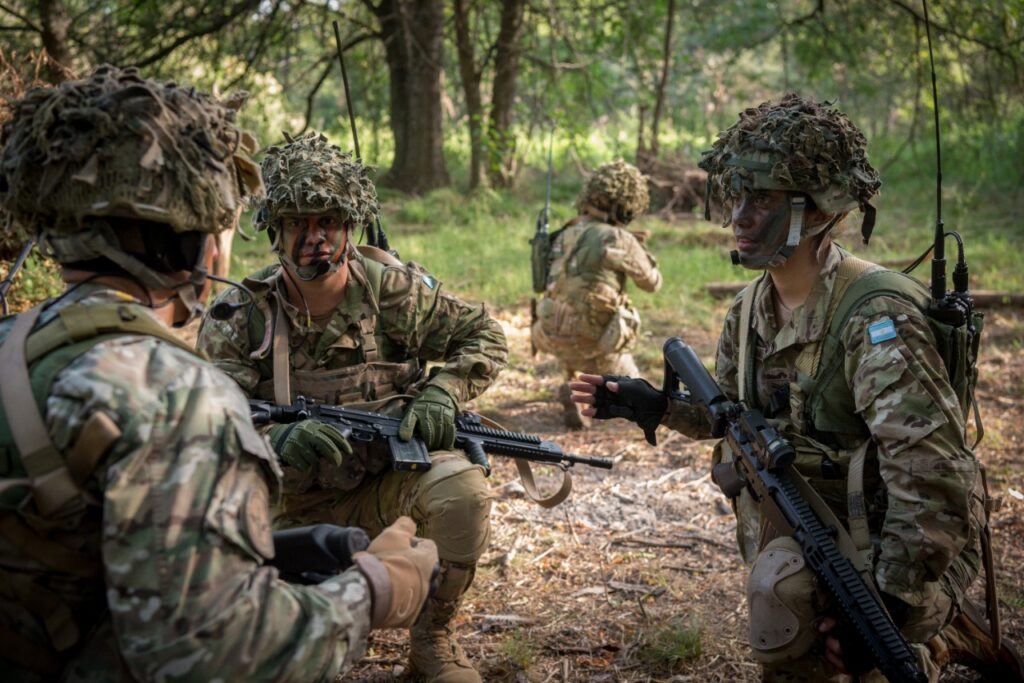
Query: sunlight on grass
x=478 y=246
x=673 y=644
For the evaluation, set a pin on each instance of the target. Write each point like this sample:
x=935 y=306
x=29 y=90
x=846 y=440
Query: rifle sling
x=526 y=476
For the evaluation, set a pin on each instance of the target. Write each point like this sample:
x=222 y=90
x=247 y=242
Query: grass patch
x=674 y=644
x=519 y=649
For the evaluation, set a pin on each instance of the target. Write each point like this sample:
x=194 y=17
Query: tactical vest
x=50 y=524
x=584 y=305
x=372 y=380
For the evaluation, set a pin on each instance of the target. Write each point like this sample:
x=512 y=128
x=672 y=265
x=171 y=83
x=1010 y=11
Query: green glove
x=431 y=415
x=302 y=444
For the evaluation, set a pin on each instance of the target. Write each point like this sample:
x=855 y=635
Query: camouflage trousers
x=450 y=503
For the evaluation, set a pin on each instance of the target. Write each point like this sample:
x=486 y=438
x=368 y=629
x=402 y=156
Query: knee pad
x=780 y=596
x=453 y=504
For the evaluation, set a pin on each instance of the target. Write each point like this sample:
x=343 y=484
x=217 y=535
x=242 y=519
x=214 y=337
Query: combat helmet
x=795 y=145
x=617 y=190
x=79 y=158
x=309 y=175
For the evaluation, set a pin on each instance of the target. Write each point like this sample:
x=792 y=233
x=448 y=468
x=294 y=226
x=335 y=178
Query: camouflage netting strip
x=164 y=153
x=615 y=183
x=310 y=175
x=813 y=147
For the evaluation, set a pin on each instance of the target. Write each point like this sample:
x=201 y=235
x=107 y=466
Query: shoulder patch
x=881 y=331
x=429 y=281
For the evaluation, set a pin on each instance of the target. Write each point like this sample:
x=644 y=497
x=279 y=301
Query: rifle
x=5 y=286
x=313 y=554
x=763 y=465
x=471 y=435
x=541 y=241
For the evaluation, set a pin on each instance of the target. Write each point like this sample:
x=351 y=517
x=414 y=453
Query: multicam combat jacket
x=170 y=582
x=920 y=480
x=585 y=310
x=412 y=320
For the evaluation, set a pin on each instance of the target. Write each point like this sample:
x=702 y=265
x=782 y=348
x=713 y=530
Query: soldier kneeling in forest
x=853 y=378
x=586 y=319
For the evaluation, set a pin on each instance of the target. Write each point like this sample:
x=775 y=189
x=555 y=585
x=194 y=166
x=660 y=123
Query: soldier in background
x=878 y=430
x=586 y=319
x=342 y=325
x=134 y=499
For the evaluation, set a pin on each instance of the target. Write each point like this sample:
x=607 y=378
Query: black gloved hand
x=636 y=400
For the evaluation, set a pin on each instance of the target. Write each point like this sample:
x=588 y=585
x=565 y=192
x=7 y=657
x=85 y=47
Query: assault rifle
x=313 y=554
x=763 y=465
x=471 y=435
x=541 y=242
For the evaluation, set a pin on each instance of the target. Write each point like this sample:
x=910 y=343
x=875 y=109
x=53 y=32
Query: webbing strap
x=856 y=506
x=746 y=370
x=530 y=486
x=851 y=268
x=52 y=486
x=79 y=322
x=281 y=352
x=526 y=476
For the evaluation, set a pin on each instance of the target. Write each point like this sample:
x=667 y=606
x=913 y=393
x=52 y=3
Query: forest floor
x=636 y=577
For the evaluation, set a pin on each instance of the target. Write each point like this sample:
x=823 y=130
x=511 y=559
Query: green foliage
x=675 y=643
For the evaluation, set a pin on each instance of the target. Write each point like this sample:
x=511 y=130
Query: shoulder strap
x=54 y=479
x=78 y=322
x=51 y=482
x=746 y=369
x=850 y=270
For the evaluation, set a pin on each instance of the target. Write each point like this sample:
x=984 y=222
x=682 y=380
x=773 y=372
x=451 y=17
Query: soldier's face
x=760 y=223
x=312 y=238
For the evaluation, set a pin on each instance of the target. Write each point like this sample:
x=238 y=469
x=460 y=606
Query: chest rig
x=50 y=518
x=370 y=380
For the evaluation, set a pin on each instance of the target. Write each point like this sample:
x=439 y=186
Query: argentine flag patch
x=883 y=330
x=429 y=281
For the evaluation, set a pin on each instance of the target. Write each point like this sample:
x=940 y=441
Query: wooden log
x=983 y=298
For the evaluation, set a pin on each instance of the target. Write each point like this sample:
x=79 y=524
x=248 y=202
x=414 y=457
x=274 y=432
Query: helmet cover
x=116 y=144
x=795 y=145
x=617 y=188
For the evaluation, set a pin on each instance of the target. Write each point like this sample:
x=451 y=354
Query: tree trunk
x=54 y=22
x=471 y=87
x=501 y=141
x=659 y=102
x=413 y=32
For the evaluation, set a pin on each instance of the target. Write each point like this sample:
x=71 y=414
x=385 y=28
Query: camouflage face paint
x=761 y=222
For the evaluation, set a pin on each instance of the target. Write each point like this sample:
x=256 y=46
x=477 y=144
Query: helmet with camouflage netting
x=117 y=144
x=87 y=161
x=616 y=189
x=309 y=175
x=796 y=145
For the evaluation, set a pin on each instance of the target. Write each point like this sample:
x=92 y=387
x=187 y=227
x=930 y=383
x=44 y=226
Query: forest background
x=455 y=103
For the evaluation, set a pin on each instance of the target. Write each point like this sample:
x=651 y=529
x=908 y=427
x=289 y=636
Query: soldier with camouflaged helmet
x=345 y=325
x=135 y=492
x=586 y=319
x=859 y=387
